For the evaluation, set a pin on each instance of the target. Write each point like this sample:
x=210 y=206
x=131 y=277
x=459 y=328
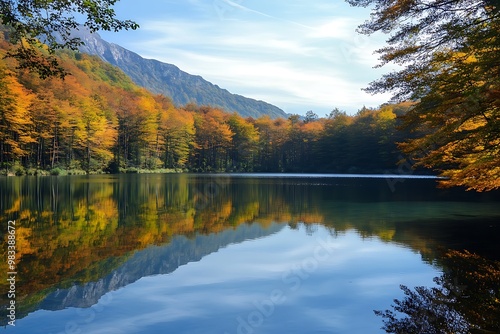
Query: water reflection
x=293 y=281
x=85 y=236
x=155 y=260
x=466 y=300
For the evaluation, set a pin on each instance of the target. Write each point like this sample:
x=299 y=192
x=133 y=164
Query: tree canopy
x=97 y=120
x=38 y=28
x=450 y=65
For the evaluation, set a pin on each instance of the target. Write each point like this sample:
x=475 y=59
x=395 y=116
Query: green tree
x=32 y=23
x=311 y=116
x=244 y=143
x=307 y=146
x=333 y=144
x=449 y=53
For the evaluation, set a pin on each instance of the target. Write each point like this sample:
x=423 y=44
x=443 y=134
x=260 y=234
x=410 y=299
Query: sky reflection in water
x=293 y=281
x=231 y=254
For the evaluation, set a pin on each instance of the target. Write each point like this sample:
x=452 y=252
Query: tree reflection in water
x=466 y=299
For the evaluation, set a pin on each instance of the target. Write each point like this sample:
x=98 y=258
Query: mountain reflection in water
x=80 y=238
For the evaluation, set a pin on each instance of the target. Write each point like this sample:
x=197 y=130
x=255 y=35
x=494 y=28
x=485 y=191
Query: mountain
x=169 y=80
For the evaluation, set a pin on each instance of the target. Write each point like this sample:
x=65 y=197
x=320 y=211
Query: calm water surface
x=230 y=253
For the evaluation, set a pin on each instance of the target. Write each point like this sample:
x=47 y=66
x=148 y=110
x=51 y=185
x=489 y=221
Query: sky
x=298 y=55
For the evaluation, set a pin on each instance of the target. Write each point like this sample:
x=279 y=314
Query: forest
x=97 y=120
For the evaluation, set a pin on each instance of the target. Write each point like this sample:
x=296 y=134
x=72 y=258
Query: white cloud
x=297 y=56
x=339 y=27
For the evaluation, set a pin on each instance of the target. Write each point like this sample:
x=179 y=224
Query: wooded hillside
x=98 y=120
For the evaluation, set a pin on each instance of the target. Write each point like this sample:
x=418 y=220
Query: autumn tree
x=244 y=143
x=450 y=65
x=310 y=134
x=213 y=139
x=96 y=137
x=149 y=140
x=293 y=145
x=364 y=142
x=273 y=134
x=15 y=121
x=39 y=28
x=175 y=133
x=98 y=120
x=333 y=145
x=46 y=129
x=300 y=146
x=137 y=115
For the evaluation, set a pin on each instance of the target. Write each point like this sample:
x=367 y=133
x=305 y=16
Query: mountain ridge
x=169 y=80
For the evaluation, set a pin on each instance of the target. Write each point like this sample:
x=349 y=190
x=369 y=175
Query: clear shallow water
x=220 y=254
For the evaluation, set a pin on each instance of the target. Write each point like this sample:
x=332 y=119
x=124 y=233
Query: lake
x=243 y=253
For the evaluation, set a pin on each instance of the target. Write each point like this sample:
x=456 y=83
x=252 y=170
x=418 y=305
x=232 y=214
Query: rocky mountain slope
x=169 y=80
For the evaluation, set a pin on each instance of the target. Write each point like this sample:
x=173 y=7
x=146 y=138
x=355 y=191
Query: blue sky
x=298 y=55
